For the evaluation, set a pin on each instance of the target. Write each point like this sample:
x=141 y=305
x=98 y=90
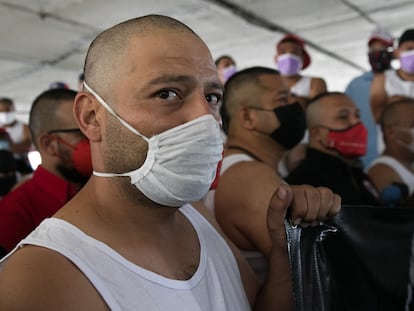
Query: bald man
x=129 y=240
x=261 y=124
x=392 y=172
x=61 y=145
x=337 y=139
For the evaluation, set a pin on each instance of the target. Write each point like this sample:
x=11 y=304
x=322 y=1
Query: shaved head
x=314 y=115
x=242 y=89
x=43 y=113
x=106 y=53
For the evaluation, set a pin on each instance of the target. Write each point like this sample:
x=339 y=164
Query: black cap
x=408 y=35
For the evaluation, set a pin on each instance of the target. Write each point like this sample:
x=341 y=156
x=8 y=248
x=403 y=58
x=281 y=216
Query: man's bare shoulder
x=251 y=167
x=247 y=177
x=36 y=278
x=245 y=189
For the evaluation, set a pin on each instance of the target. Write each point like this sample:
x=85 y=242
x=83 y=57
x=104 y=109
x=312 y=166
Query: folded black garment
x=364 y=265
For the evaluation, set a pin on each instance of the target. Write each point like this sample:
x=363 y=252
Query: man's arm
x=382 y=176
x=318 y=86
x=35 y=278
x=379 y=97
x=251 y=204
x=308 y=205
x=241 y=201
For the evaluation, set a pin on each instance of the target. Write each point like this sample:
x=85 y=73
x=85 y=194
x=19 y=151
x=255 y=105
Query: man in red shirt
x=66 y=165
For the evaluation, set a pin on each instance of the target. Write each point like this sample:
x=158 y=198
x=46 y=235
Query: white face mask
x=181 y=162
x=409 y=146
x=7 y=118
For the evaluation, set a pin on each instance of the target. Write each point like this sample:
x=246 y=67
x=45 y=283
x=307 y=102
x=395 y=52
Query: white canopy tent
x=46 y=40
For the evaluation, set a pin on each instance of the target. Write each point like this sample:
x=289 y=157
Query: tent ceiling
x=46 y=40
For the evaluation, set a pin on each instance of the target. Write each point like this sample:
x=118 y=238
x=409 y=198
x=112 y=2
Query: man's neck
x=166 y=240
x=266 y=150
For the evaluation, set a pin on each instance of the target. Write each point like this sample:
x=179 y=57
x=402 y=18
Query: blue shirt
x=359 y=89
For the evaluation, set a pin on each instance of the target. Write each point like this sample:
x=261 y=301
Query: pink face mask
x=407 y=61
x=289 y=64
x=227 y=72
x=350 y=142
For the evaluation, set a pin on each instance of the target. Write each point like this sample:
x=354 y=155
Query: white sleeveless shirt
x=302 y=87
x=406 y=175
x=208 y=200
x=394 y=85
x=216 y=285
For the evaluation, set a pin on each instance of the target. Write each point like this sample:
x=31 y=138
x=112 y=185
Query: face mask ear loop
x=111 y=111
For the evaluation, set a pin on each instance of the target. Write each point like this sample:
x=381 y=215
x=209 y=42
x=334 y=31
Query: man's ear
x=48 y=144
x=247 y=118
x=85 y=111
x=315 y=134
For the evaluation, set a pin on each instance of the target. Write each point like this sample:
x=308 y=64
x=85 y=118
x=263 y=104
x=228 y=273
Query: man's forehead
x=177 y=49
x=338 y=102
x=289 y=43
x=407 y=44
x=273 y=82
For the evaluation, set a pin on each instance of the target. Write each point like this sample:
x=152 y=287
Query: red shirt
x=23 y=209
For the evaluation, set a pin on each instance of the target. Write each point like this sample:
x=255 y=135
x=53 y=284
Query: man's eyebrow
x=182 y=79
x=170 y=78
x=215 y=85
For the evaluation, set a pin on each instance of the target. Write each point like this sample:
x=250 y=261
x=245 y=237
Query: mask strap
x=111 y=111
x=64 y=142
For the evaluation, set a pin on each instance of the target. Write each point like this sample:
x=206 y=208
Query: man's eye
x=213 y=99
x=167 y=94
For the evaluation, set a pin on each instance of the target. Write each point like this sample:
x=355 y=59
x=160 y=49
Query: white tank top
x=256 y=259
x=16 y=132
x=302 y=87
x=394 y=85
x=406 y=175
x=208 y=200
x=216 y=285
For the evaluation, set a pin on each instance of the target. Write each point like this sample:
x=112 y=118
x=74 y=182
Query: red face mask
x=350 y=142
x=81 y=156
x=215 y=182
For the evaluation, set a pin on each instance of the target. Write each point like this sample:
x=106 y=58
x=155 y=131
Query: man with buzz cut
x=65 y=167
x=130 y=239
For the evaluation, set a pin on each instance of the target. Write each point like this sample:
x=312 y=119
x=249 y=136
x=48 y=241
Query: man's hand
x=308 y=206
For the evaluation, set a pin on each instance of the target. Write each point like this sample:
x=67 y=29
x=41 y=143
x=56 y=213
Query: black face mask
x=380 y=60
x=292 y=125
